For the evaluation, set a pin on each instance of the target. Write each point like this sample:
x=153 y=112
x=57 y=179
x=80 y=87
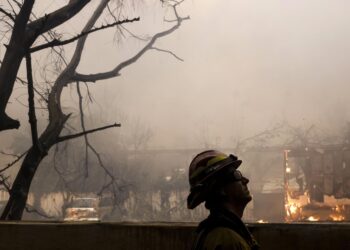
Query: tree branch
x=56 y=18
x=8 y=24
x=7 y=14
x=88 y=146
x=14 y=162
x=11 y=62
x=57 y=42
x=54 y=104
x=84 y=129
x=23 y=36
x=31 y=209
x=31 y=111
x=4 y=182
x=12 y=8
x=68 y=137
x=8 y=154
x=169 y=52
x=106 y=170
x=116 y=71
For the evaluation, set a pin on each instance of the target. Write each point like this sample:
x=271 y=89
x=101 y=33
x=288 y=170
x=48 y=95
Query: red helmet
x=202 y=168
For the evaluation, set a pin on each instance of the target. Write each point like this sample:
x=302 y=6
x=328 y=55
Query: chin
x=248 y=198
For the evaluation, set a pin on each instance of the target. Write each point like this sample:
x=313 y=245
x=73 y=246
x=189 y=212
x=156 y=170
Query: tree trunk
x=12 y=60
x=20 y=189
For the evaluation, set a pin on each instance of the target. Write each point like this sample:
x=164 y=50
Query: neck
x=237 y=209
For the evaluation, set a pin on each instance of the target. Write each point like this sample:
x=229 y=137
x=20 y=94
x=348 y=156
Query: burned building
x=317 y=183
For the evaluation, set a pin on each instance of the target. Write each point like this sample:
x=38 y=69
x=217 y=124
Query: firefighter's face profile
x=237 y=190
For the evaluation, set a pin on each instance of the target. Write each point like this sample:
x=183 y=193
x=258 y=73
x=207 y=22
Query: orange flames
x=299 y=207
x=336 y=217
x=313 y=218
x=301 y=210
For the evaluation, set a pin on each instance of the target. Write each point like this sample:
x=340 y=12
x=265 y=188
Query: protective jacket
x=223 y=230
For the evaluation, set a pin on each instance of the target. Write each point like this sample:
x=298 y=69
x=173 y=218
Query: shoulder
x=224 y=239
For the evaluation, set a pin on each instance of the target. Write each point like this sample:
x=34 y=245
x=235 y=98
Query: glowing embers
x=337 y=217
x=302 y=209
x=312 y=218
x=339 y=212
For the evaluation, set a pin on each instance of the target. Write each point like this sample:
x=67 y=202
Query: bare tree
x=24 y=34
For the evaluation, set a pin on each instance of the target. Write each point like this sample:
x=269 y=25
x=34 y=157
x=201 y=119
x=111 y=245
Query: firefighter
x=215 y=180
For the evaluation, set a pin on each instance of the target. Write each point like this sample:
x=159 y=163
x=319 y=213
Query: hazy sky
x=247 y=65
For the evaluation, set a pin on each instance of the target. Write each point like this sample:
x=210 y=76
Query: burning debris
x=316 y=184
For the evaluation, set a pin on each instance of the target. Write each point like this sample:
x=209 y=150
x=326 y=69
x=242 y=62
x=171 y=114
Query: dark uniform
x=223 y=230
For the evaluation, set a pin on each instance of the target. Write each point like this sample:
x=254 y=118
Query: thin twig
x=169 y=52
x=8 y=154
x=5 y=183
x=14 y=162
x=82 y=123
x=13 y=9
x=7 y=14
x=116 y=71
x=57 y=42
x=69 y=137
x=41 y=213
x=31 y=112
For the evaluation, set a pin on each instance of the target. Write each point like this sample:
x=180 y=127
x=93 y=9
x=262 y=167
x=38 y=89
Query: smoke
x=248 y=65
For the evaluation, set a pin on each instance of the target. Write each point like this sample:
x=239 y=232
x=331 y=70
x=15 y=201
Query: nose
x=245 y=180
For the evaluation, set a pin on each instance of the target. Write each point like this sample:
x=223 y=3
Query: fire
x=293 y=208
x=337 y=217
x=262 y=221
x=303 y=201
x=293 y=211
x=339 y=208
x=312 y=218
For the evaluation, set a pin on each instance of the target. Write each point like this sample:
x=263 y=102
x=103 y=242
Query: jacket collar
x=221 y=217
